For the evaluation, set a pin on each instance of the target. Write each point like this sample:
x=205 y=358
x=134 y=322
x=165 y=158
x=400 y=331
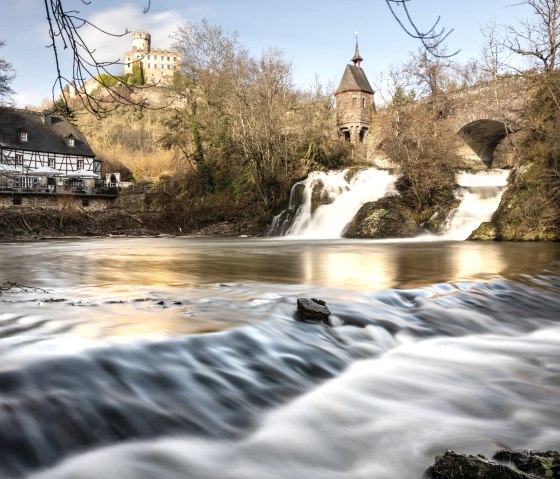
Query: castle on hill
x=158 y=65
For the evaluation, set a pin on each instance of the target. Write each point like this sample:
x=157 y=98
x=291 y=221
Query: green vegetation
x=137 y=73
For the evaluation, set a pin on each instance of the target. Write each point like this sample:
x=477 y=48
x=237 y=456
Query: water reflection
x=120 y=265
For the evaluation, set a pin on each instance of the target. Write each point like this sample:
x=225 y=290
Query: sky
x=316 y=36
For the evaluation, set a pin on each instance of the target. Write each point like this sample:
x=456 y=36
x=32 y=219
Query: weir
x=322 y=205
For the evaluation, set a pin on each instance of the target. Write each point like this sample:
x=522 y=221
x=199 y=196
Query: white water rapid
x=322 y=205
x=480 y=194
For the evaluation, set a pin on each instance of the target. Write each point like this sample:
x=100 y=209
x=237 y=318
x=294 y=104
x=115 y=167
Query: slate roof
x=49 y=136
x=354 y=78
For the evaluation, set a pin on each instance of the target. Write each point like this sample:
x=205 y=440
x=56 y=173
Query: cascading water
x=329 y=202
x=480 y=194
x=322 y=205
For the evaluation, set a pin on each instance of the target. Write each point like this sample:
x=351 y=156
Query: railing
x=59 y=190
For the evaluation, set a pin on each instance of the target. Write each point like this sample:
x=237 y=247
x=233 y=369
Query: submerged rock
x=516 y=465
x=387 y=217
x=311 y=310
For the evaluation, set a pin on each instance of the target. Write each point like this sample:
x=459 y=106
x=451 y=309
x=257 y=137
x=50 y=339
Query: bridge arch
x=483 y=136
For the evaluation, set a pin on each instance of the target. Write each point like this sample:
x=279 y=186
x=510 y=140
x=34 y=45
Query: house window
x=51 y=163
x=155 y=66
x=168 y=67
x=128 y=65
x=128 y=59
x=167 y=58
x=149 y=66
x=149 y=57
x=23 y=136
x=162 y=58
x=80 y=164
x=27 y=182
x=19 y=159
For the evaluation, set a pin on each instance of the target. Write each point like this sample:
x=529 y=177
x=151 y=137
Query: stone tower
x=141 y=42
x=354 y=102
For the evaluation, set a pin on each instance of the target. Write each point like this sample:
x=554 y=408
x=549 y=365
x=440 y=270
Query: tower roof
x=357 y=58
x=354 y=79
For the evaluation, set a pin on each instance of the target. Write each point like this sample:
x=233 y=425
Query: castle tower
x=141 y=42
x=354 y=101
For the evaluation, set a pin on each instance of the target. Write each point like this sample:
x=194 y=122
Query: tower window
x=354 y=101
x=363 y=102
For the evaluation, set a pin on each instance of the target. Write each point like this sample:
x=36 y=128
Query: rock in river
x=509 y=465
x=311 y=310
x=387 y=217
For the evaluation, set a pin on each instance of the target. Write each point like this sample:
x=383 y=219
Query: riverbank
x=36 y=223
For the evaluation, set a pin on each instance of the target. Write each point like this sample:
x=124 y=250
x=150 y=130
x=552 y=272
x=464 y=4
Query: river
x=181 y=358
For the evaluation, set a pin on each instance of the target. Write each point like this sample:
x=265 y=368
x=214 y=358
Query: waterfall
x=480 y=194
x=323 y=204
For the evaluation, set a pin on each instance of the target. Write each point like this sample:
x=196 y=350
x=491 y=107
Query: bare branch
x=432 y=39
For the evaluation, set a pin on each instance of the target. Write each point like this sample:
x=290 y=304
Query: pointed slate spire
x=357 y=59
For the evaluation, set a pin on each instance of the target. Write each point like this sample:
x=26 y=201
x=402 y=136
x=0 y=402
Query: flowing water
x=323 y=204
x=181 y=358
x=480 y=194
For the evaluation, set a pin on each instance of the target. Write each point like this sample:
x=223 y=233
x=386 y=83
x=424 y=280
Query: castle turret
x=354 y=101
x=141 y=42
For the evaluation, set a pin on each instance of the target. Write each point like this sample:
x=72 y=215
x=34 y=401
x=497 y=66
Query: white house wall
x=34 y=159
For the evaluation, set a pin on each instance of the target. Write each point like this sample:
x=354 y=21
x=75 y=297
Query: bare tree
x=493 y=51
x=428 y=72
x=537 y=38
x=6 y=78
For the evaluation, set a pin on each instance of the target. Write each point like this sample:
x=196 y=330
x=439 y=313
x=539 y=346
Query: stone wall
x=354 y=107
x=55 y=202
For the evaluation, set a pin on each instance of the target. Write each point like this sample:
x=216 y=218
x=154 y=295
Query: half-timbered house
x=42 y=152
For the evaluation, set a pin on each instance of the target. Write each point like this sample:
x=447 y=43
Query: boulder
x=485 y=232
x=311 y=310
x=387 y=217
x=540 y=464
x=516 y=465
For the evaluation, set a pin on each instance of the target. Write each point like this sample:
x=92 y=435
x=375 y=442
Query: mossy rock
x=508 y=465
x=387 y=217
x=319 y=196
x=485 y=232
x=525 y=213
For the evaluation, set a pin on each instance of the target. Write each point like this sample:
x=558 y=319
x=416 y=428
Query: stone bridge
x=485 y=115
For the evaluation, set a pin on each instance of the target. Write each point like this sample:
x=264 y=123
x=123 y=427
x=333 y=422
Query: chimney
x=47 y=117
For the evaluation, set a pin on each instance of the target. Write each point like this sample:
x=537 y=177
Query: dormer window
x=70 y=141
x=23 y=136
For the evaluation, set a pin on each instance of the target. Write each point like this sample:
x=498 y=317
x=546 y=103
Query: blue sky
x=317 y=36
